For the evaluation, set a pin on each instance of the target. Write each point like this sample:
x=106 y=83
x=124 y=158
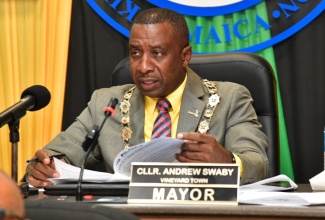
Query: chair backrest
x=250 y=70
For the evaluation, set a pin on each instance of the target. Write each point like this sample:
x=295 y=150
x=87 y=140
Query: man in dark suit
x=216 y=119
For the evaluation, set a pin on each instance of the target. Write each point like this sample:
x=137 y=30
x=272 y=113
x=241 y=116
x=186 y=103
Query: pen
x=58 y=156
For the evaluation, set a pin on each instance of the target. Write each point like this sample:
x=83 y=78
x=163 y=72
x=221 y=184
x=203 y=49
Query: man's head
x=11 y=200
x=159 y=51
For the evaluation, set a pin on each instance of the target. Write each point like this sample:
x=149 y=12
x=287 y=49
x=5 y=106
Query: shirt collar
x=174 y=98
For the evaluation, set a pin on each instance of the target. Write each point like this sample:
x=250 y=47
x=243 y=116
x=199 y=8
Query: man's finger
x=43 y=156
x=195 y=137
x=35 y=182
x=183 y=159
x=42 y=171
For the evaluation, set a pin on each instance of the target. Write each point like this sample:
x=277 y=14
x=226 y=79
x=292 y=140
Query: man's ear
x=187 y=55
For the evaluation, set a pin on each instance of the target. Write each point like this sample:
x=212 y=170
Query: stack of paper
x=157 y=150
x=262 y=194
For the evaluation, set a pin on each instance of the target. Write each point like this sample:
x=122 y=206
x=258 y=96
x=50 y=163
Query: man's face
x=157 y=60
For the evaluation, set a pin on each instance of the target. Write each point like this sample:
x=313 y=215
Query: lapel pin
x=195 y=114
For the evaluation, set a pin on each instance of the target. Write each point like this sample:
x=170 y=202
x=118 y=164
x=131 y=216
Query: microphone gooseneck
x=91 y=141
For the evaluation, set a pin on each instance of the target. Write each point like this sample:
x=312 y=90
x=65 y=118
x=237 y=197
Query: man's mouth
x=148 y=84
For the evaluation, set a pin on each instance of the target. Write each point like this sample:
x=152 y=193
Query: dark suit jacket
x=234 y=125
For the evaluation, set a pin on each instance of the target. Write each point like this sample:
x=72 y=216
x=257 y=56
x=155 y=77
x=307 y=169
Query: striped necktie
x=163 y=122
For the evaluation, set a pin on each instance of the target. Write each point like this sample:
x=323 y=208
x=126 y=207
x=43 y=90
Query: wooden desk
x=205 y=212
x=247 y=212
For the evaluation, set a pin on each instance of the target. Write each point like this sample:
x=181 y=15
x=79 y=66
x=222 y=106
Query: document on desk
x=158 y=150
x=282 y=198
x=266 y=185
x=261 y=193
x=318 y=182
x=69 y=173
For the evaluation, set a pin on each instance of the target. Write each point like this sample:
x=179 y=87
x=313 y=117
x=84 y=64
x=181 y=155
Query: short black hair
x=162 y=15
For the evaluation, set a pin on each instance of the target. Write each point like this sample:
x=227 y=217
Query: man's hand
x=39 y=172
x=202 y=148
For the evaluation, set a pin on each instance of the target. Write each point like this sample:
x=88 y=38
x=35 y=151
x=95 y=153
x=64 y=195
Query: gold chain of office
x=204 y=124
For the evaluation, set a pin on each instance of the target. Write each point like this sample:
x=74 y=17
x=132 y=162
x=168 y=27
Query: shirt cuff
x=238 y=161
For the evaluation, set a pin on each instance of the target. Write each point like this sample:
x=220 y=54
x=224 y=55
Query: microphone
x=91 y=141
x=92 y=134
x=32 y=99
x=110 y=108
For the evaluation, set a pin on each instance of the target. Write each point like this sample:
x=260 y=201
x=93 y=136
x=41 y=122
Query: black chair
x=61 y=210
x=250 y=70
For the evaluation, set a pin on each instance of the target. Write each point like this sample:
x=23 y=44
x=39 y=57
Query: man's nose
x=145 y=64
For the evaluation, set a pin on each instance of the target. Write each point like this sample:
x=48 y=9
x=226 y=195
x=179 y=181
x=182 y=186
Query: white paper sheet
x=282 y=198
x=69 y=173
x=158 y=150
x=261 y=186
x=260 y=194
x=318 y=182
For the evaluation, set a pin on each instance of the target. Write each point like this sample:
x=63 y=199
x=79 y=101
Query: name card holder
x=184 y=183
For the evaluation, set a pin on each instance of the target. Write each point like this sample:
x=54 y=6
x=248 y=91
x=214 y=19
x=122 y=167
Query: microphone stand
x=90 y=143
x=32 y=99
x=91 y=139
x=14 y=139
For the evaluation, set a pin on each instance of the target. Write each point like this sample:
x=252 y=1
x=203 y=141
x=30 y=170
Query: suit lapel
x=192 y=104
x=137 y=118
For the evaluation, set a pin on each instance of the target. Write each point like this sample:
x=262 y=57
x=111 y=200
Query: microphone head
x=41 y=96
x=110 y=108
x=113 y=102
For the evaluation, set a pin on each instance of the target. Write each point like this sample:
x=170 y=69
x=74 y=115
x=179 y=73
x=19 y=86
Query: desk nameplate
x=184 y=183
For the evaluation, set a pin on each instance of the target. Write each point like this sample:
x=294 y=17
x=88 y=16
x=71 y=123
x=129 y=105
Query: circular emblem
x=275 y=21
x=205 y=7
